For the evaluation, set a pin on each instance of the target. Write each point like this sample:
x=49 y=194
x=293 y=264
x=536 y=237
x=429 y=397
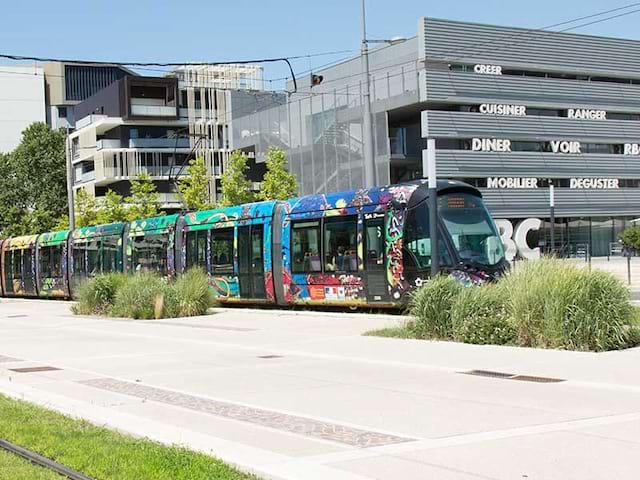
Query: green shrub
x=431 y=305
x=140 y=296
x=96 y=295
x=630 y=237
x=190 y=295
x=556 y=304
x=480 y=315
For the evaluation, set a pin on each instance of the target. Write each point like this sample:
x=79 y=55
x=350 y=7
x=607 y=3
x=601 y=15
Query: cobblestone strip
x=266 y=418
x=4 y=359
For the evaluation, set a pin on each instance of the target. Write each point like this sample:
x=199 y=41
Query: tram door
x=251 y=261
x=374 y=262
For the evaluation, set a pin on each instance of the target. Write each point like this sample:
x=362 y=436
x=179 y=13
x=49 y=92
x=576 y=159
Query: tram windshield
x=471 y=228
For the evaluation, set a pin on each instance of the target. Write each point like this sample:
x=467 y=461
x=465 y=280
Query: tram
x=366 y=247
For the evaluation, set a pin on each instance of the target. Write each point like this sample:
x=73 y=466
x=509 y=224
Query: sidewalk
x=304 y=396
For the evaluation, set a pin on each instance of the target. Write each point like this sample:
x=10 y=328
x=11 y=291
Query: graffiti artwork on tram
x=395 y=270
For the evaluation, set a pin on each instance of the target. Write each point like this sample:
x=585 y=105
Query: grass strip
x=13 y=467
x=99 y=452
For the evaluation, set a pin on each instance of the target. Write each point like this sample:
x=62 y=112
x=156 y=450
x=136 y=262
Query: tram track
x=42 y=461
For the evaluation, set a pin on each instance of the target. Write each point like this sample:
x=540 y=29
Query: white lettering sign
x=506 y=233
x=515 y=240
x=594 y=183
x=499 y=109
x=559 y=146
x=632 y=148
x=511 y=182
x=586 y=114
x=488 y=69
x=490 y=145
x=520 y=238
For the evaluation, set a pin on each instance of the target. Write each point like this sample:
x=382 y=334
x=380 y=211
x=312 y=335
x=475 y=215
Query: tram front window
x=471 y=229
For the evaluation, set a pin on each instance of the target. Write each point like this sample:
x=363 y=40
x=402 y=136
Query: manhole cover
x=34 y=369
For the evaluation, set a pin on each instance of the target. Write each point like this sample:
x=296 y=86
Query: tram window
x=197 y=249
x=50 y=262
x=305 y=247
x=149 y=253
x=16 y=262
x=375 y=243
x=93 y=258
x=417 y=240
x=222 y=251
x=79 y=255
x=340 y=244
x=110 y=254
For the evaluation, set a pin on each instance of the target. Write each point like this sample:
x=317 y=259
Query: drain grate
x=269 y=356
x=16 y=315
x=531 y=378
x=34 y=369
x=513 y=376
x=489 y=373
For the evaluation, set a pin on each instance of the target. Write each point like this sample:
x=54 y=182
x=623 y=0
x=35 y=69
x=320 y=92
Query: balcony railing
x=153 y=111
x=159 y=143
x=86 y=177
x=108 y=143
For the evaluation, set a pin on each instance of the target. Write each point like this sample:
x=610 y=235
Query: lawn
x=13 y=467
x=96 y=451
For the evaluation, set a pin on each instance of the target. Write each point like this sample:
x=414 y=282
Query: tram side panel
x=150 y=246
x=95 y=250
x=19 y=266
x=233 y=245
x=52 y=265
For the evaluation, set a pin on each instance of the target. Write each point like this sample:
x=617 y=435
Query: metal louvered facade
x=573 y=119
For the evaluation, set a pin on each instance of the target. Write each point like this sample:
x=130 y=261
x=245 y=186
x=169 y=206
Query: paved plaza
x=302 y=395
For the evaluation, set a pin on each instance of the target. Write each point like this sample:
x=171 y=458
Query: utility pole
x=429 y=165
x=72 y=219
x=552 y=216
x=367 y=122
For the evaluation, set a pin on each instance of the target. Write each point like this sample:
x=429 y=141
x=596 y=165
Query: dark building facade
x=508 y=110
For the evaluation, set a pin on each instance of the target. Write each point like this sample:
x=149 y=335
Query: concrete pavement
x=304 y=396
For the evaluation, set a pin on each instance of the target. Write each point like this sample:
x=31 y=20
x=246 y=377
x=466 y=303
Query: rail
x=45 y=462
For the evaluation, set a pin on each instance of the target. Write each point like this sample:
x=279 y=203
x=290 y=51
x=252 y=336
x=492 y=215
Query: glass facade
x=574 y=236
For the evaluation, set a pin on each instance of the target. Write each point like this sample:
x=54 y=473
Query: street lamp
x=72 y=220
x=367 y=121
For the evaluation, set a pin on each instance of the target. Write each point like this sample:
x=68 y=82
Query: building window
x=62 y=112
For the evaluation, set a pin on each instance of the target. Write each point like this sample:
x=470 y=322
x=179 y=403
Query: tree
x=143 y=200
x=194 y=186
x=279 y=183
x=236 y=188
x=86 y=209
x=113 y=209
x=630 y=238
x=33 y=182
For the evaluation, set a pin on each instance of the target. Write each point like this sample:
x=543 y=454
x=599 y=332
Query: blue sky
x=199 y=30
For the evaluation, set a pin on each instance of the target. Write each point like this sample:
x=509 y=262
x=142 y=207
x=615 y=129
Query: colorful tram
x=361 y=248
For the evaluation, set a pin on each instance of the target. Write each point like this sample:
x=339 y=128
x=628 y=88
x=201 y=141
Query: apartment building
x=47 y=92
x=156 y=125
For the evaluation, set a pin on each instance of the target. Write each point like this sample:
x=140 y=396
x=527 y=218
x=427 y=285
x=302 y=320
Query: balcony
x=108 y=144
x=85 y=177
x=153 y=111
x=159 y=143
